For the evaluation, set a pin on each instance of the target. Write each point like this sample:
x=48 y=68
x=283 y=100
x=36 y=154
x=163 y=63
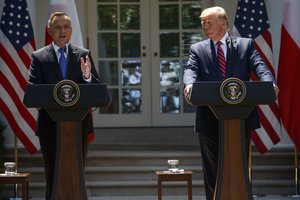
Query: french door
x=140 y=49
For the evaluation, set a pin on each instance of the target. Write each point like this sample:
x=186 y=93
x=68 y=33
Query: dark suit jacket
x=45 y=69
x=241 y=60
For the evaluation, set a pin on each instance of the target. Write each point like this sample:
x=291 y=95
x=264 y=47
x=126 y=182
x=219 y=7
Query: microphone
x=228 y=42
x=230 y=57
x=95 y=77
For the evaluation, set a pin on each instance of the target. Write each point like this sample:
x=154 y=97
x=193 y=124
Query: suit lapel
x=211 y=53
x=51 y=55
x=230 y=58
x=72 y=59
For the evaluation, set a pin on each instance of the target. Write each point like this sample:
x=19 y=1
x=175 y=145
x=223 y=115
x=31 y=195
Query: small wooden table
x=171 y=176
x=19 y=178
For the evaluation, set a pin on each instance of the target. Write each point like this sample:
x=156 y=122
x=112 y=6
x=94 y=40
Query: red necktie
x=221 y=59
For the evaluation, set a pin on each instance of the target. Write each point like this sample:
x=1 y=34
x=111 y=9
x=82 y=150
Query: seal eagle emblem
x=66 y=93
x=233 y=90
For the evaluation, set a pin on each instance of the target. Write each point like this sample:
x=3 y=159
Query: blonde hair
x=216 y=10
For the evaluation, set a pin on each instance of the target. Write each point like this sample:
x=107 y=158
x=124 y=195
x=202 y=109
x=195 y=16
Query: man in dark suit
x=45 y=69
x=241 y=59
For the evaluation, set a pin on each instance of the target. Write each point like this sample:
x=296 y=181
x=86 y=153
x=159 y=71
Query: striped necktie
x=221 y=59
x=63 y=62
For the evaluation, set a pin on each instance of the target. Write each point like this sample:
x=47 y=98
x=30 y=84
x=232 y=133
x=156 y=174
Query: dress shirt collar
x=56 y=48
x=223 y=40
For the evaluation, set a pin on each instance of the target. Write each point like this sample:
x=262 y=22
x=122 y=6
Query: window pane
x=107 y=17
x=168 y=17
x=130 y=45
x=190 y=16
x=131 y=101
x=188 y=39
x=108 y=71
x=131 y=72
x=130 y=17
x=108 y=45
x=169 y=73
x=114 y=106
x=169 y=44
x=169 y=100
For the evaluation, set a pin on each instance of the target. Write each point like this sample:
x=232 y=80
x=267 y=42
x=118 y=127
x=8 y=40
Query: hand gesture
x=86 y=67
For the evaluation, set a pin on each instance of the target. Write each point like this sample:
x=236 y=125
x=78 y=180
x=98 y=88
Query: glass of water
x=10 y=168
x=173 y=165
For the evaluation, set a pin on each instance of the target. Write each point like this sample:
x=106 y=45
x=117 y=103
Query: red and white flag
x=289 y=70
x=69 y=7
x=252 y=21
x=16 y=45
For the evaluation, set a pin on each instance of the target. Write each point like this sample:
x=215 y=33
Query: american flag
x=16 y=45
x=252 y=21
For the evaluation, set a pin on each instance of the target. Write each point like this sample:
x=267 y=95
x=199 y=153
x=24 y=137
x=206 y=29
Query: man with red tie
x=218 y=57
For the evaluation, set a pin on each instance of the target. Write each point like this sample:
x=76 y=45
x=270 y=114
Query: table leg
x=159 y=190
x=190 y=189
x=16 y=190
x=24 y=190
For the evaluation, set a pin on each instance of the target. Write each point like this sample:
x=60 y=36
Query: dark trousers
x=209 y=146
x=48 y=148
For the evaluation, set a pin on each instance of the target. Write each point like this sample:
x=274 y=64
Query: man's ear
x=49 y=30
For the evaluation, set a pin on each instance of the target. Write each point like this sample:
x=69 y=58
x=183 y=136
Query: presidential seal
x=233 y=91
x=66 y=93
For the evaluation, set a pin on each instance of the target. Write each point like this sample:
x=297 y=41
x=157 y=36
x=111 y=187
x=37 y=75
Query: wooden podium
x=69 y=180
x=233 y=181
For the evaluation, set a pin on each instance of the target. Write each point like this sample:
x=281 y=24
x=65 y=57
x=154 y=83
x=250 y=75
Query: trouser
x=209 y=146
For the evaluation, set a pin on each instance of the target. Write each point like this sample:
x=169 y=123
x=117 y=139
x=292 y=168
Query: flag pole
x=250 y=164
x=250 y=171
x=296 y=171
x=296 y=174
x=16 y=163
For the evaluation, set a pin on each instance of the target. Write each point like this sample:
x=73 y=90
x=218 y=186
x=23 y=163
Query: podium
x=232 y=180
x=69 y=180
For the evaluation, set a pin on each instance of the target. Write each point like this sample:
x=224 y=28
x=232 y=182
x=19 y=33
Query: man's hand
x=187 y=92
x=276 y=90
x=86 y=67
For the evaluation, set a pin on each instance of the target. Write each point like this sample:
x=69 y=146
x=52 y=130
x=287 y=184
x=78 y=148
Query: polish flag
x=69 y=7
x=289 y=70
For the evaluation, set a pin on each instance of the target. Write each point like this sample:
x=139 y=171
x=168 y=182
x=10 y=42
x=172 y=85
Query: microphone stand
x=229 y=45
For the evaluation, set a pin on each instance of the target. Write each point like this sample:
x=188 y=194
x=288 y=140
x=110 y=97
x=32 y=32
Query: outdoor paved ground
x=268 y=197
